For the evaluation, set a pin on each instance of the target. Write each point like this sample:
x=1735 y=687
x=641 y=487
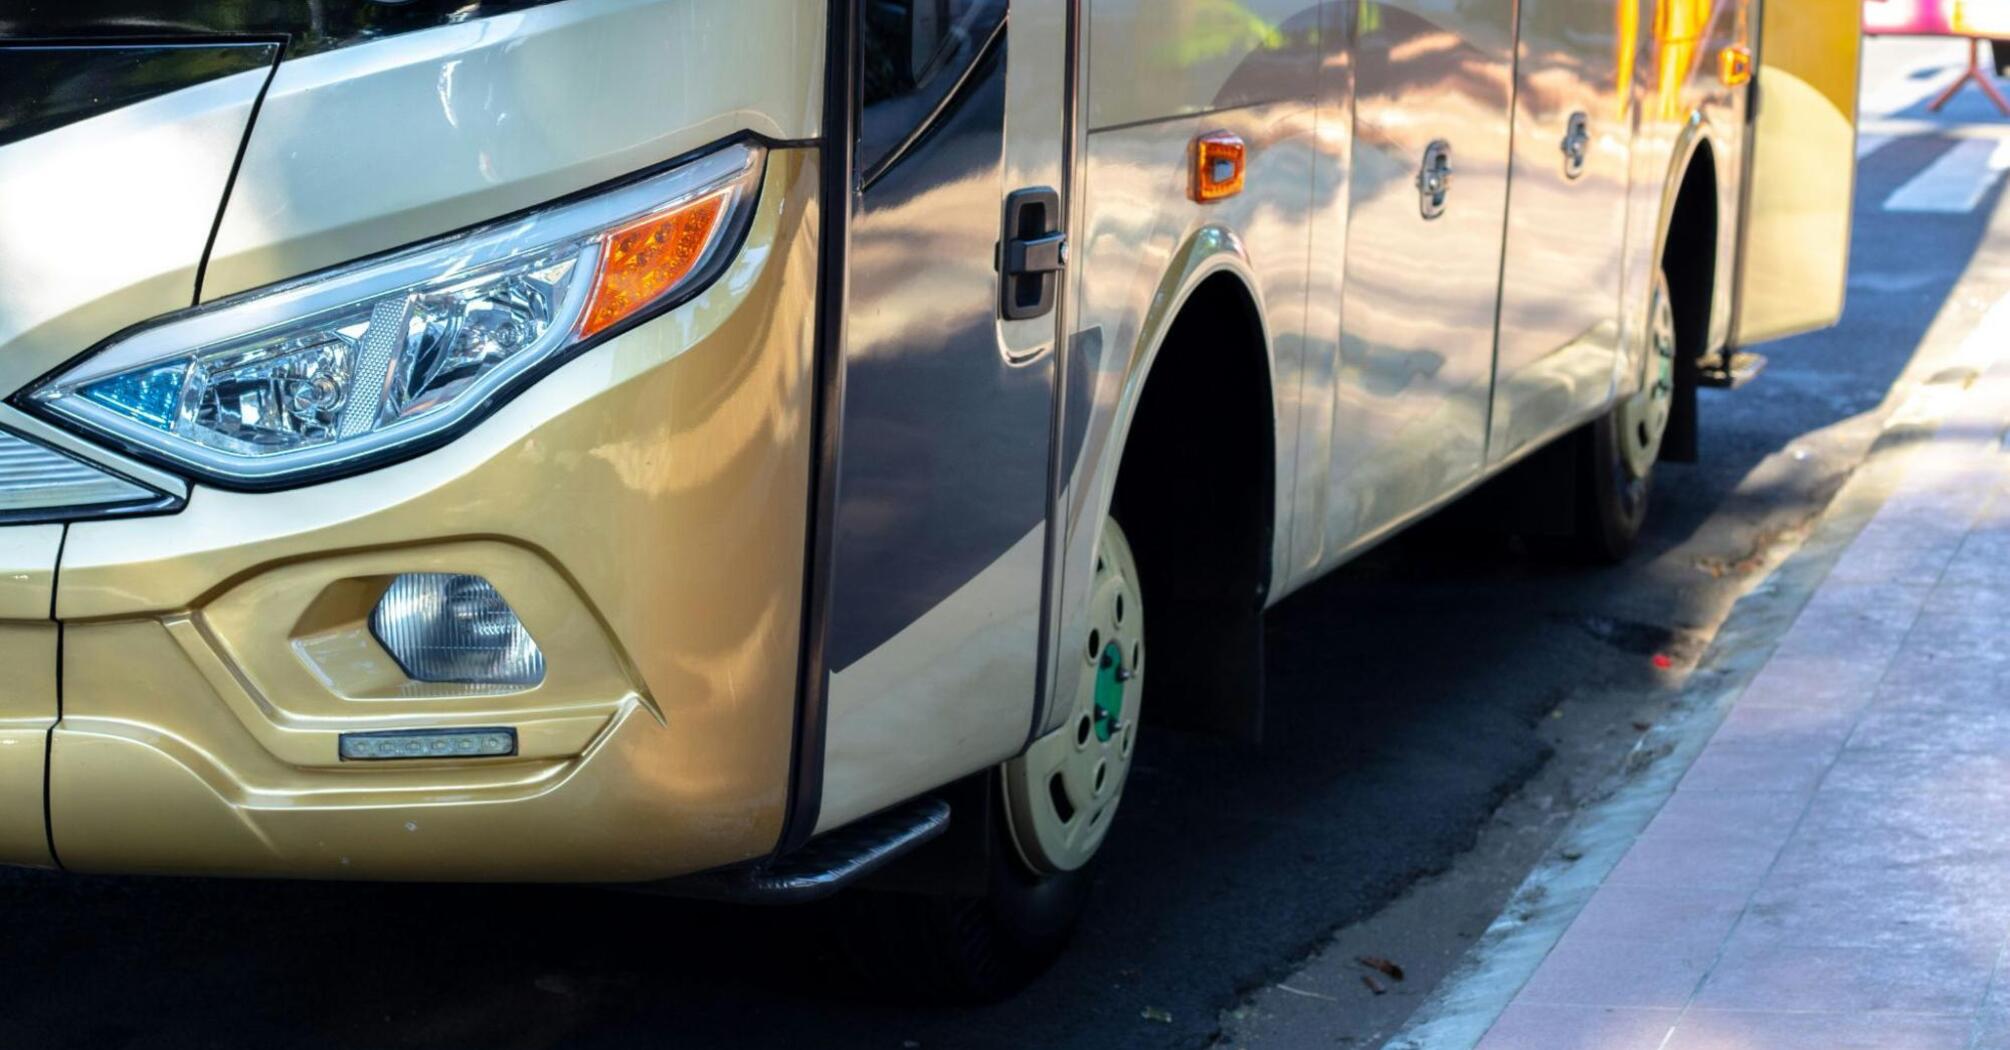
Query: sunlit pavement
x=1827 y=869
x=1829 y=872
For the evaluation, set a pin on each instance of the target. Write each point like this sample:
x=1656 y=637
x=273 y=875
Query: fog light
x=447 y=627
x=428 y=743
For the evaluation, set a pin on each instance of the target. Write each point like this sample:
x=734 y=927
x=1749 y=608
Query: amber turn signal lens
x=645 y=259
x=1735 y=66
x=1218 y=162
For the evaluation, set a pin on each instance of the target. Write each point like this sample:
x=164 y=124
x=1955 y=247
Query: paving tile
x=1983 y=557
x=1761 y=973
x=1924 y=674
x=1987 y=563
x=1813 y=728
x=1839 y=683
x=1770 y=1030
x=1833 y=911
x=1894 y=853
x=1952 y=490
x=1893 y=551
x=1760 y=816
x=1921 y=774
x=1929 y=681
x=1983 y=598
x=1942 y=728
x=1992 y=1023
x=1919 y=810
x=1933 y=499
x=1585 y=970
x=1961 y=632
x=1726 y=860
x=1976 y=886
x=1995 y=514
x=1885 y=608
x=1760 y=768
x=1854 y=620
x=1683 y=918
x=1529 y=1026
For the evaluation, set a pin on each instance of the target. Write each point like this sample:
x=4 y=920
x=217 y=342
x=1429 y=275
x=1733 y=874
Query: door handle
x=1576 y=145
x=1434 y=182
x=1032 y=253
x=1036 y=255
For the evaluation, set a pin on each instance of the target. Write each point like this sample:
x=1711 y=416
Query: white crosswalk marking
x=1955 y=183
x=1868 y=143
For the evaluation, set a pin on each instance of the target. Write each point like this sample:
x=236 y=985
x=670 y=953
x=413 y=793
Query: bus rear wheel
x=1618 y=451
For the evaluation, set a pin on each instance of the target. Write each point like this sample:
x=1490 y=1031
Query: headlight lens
x=342 y=367
x=447 y=627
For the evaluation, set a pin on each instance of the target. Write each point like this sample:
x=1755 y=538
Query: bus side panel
x=1794 y=244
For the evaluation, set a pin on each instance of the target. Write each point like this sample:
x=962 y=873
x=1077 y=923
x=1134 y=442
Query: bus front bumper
x=642 y=510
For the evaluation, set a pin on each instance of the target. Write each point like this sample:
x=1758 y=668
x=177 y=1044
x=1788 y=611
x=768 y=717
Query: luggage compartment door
x=1433 y=109
x=1558 y=335
x=1801 y=171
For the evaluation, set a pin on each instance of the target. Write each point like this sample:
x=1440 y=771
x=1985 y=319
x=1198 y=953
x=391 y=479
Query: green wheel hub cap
x=1110 y=679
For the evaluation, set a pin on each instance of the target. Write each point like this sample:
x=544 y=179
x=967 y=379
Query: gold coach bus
x=751 y=448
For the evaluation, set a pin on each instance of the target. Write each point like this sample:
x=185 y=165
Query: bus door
x=939 y=535
x=1800 y=178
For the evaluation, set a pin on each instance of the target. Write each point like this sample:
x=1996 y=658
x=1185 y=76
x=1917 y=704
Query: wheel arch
x=1193 y=473
x=1688 y=248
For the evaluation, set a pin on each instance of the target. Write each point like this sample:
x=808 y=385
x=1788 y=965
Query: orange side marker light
x=1735 y=66
x=1219 y=161
x=646 y=258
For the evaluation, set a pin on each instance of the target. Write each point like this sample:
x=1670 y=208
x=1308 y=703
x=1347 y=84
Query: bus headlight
x=340 y=369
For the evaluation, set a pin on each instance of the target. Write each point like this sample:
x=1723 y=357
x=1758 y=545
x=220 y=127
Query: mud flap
x=1208 y=644
x=1800 y=171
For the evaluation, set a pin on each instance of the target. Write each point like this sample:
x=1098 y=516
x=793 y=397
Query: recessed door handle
x=1036 y=255
x=1434 y=181
x=1031 y=254
x=1576 y=145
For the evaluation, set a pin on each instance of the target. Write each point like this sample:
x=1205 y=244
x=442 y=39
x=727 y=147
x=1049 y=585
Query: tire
x=1617 y=452
x=965 y=949
x=1612 y=505
x=1052 y=810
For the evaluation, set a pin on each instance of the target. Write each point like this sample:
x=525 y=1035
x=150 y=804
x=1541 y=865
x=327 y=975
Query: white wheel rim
x=1643 y=418
x=1062 y=793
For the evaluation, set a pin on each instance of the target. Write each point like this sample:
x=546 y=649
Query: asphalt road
x=1411 y=694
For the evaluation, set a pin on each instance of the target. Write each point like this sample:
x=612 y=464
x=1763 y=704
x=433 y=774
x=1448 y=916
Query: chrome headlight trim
x=572 y=229
x=40 y=482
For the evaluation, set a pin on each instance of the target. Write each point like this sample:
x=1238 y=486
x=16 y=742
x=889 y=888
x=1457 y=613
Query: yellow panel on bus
x=1801 y=177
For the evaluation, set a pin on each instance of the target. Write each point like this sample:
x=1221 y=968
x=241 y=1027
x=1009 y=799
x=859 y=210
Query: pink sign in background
x=1984 y=18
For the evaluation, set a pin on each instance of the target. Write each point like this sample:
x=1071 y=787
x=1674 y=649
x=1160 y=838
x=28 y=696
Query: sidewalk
x=1833 y=870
